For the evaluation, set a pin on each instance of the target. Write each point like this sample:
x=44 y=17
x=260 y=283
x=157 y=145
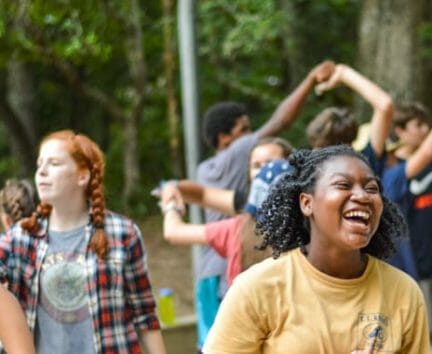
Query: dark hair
x=17 y=199
x=283 y=225
x=221 y=118
x=408 y=111
x=331 y=127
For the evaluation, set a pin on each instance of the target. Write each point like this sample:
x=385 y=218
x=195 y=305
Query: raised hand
x=323 y=71
x=331 y=82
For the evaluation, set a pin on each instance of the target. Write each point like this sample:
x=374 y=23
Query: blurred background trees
x=110 y=69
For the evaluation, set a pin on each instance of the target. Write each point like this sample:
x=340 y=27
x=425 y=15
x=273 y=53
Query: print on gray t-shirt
x=63 y=318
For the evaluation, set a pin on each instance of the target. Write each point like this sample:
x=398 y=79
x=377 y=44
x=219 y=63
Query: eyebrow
x=348 y=176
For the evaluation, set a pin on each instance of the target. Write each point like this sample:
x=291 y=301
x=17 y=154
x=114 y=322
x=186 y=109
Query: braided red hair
x=87 y=156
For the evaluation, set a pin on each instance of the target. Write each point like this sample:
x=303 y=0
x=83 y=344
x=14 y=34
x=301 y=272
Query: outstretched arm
x=14 y=332
x=195 y=193
x=288 y=109
x=380 y=101
x=175 y=229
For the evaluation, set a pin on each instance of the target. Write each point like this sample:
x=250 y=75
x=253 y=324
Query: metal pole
x=189 y=89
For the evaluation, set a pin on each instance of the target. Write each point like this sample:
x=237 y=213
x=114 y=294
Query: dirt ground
x=169 y=266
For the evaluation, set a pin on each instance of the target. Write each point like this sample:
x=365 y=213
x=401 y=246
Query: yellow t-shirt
x=288 y=306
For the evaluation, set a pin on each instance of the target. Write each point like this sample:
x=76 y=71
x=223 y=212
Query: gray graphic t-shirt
x=63 y=318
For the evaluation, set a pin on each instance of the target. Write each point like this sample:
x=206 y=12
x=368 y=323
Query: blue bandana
x=260 y=186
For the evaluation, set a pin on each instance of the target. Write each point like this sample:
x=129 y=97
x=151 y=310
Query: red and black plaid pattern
x=121 y=302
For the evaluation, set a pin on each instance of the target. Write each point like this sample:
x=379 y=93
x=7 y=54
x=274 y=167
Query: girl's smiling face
x=345 y=208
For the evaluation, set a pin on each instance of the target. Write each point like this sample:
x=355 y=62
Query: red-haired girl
x=79 y=270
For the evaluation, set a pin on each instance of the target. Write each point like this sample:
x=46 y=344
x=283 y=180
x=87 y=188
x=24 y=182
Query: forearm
x=208 y=197
x=421 y=158
x=191 y=192
x=288 y=110
x=380 y=101
x=177 y=231
x=371 y=92
x=151 y=342
x=14 y=332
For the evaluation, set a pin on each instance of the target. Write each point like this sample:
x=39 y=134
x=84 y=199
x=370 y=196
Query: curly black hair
x=221 y=118
x=282 y=224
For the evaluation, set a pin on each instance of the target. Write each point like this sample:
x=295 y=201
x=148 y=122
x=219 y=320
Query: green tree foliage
x=250 y=51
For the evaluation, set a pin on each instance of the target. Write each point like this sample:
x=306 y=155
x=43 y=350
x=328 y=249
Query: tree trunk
x=291 y=47
x=137 y=71
x=390 y=49
x=169 y=66
x=18 y=107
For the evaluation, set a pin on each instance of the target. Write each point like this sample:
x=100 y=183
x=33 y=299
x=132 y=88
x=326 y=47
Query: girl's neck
x=344 y=266
x=68 y=218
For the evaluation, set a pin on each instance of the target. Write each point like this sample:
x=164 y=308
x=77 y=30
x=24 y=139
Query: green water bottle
x=166 y=306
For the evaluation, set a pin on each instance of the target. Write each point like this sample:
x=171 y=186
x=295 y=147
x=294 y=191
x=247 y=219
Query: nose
x=41 y=169
x=360 y=195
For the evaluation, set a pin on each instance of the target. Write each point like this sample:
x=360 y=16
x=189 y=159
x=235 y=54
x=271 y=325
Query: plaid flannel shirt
x=120 y=299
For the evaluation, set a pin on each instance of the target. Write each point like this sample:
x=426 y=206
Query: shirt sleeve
x=5 y=248
x=220 y=234
x=377 y=163
x=396 y=186
x=238 y=326
x=416 y=340
x=139 y=292
x=395 y=183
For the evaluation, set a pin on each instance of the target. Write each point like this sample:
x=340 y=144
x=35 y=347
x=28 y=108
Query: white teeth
x=358 y=214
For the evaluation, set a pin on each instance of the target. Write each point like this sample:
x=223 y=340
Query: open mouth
x=358 y=216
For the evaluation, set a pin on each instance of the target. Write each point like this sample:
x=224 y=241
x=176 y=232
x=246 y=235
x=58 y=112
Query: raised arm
x=420 y=159
x=14 y=332
x=380 y=101
x=288 y=109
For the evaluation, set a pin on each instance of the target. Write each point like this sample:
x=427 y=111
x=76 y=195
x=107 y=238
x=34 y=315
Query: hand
x=331 y=82
x=170 y=194
x=323 y=71
x=369 y=350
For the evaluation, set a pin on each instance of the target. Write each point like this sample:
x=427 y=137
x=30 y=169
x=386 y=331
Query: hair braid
x=31 y=224
x=99 y=241
x=88 y=157
x=17 y=199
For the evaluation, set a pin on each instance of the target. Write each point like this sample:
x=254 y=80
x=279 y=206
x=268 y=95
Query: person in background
x=227 y=131
x=407 y=181
x=14 y=332
x=337 y=125
x=233 y=238
x=326 y=289
x=239 y=230
x=17 y=201
x=78 y=269
x=227 y=201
